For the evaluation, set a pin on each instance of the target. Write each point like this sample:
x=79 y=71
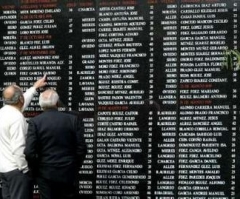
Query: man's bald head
x=12 y=95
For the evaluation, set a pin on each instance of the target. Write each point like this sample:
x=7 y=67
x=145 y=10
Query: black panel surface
x=156 y=82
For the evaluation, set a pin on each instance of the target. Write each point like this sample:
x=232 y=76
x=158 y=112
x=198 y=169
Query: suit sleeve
x=31 y=146
x=81 y=145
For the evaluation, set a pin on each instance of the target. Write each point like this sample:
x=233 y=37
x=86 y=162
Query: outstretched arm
x=28 y=95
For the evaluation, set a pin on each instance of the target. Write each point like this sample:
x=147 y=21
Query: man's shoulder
x=37 y=117
x=8 y=110
x=55 y=114
x=8 y=118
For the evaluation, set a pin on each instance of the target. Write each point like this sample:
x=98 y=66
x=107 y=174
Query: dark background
x=155 y=78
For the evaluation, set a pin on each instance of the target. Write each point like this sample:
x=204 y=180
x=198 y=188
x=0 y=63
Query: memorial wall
x=155 y=81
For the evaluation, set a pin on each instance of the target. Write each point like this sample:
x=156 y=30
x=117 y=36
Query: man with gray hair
x=16 y=182
x=55 y=149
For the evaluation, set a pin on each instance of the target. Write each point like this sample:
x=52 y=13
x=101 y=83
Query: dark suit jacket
x=55 y=146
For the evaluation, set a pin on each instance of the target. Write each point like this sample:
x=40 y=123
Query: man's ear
x=21 y=99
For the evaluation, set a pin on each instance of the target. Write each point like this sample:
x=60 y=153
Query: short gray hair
x=48 y=98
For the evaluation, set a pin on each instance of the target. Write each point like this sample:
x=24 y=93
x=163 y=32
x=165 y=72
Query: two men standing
x=55 y=147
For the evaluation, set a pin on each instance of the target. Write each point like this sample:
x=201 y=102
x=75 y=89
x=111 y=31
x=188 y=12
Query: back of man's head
x=48 y=99
x=13 y=95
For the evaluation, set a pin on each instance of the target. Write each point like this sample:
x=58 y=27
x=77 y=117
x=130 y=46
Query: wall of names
x=155 y=81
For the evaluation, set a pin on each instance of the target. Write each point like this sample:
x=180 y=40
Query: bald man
x=55 y=149
x=16 y=183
